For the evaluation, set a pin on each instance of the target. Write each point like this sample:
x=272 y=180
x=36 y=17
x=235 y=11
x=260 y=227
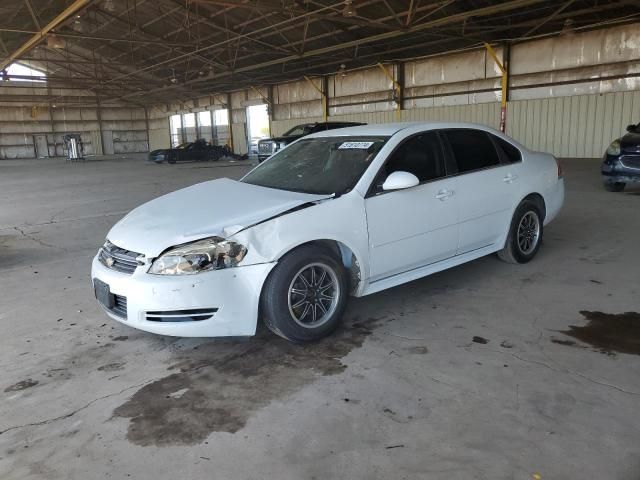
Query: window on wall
x=204 y=126
x=175 y=127
x=189 y=127
x=21 y=73
x=221 y=117
x=221 y=127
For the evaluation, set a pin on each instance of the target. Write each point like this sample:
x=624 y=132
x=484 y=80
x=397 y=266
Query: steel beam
x=38 y=37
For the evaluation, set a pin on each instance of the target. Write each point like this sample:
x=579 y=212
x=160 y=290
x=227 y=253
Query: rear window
x=472 y=149
x=511 y=153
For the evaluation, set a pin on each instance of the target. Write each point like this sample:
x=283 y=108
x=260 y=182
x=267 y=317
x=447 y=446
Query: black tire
x=614 y=187
x=276 y=299
x=513 y=251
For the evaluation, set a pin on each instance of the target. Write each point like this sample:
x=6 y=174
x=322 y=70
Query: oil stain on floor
x=607 y=333
x=217 y=387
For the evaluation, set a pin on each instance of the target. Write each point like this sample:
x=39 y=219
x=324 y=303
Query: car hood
x=220 y=207
x=630 y=143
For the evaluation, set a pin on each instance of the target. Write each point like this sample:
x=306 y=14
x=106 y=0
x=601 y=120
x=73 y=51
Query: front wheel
x=305 y=295
x=614 y=187
x=525 y=234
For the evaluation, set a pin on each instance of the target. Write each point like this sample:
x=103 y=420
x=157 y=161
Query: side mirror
x=633 y=128
x=400 y=180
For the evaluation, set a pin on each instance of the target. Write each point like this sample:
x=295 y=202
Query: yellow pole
x=504 y=83
x=397 y=89
x=324 y=97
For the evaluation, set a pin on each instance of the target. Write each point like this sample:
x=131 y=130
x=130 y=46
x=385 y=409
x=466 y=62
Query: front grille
x=119 y=259
x=193 y=315
x=119 y=306
x=265 y=148
x=630 y=161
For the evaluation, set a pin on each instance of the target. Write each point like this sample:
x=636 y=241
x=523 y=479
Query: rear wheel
x=305 y=296
x=525 y=234
x=614 y=187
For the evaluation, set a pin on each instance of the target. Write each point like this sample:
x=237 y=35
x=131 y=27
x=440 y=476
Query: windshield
x=184 y=145
x=300 y=130
x=318 y=165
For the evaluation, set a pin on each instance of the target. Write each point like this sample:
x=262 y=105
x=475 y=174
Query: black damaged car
x=198 y=151
x=269 y=146
x=621 y=162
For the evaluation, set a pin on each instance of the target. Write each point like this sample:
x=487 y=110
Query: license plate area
x=103 y=294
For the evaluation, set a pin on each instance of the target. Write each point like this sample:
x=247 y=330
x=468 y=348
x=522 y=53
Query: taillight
x=560 y=174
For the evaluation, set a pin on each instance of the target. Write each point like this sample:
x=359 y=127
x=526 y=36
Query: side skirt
x=416 y=273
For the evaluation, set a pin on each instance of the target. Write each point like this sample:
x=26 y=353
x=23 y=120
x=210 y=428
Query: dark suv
x=269 y=146
x=621 y=163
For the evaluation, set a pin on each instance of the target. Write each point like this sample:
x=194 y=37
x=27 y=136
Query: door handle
x=444 y=194
x=509 y=178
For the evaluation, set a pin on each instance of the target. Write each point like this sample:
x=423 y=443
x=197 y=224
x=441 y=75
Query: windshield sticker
x=356 y=145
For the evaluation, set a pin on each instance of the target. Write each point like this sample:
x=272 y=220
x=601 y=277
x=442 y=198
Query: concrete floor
x=403 y=392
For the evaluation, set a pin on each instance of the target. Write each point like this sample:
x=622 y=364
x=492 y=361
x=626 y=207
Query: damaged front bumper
x=209 y=304
x=621 y=169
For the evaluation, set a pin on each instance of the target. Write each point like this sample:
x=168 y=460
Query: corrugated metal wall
x=577 y=126
x=569 y=95
x=120 y=129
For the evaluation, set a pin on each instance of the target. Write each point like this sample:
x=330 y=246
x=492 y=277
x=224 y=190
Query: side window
x=420 y=155
x=510 y=153
x=472 y=149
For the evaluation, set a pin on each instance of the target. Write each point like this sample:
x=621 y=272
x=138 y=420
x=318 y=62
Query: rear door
x=416 y=226
x=487 y=187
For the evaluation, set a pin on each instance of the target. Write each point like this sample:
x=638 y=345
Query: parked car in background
x=621 y=162
x=253 y=146
x=338 y=213
x=269 y=146
x=196 y=151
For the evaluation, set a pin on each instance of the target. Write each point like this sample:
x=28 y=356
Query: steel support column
x=230 y=118
x=397 y=91
x=323 y=94
x=503 y=66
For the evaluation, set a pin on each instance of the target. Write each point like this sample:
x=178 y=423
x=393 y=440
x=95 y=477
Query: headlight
x=614 y=148
x=281 y=145
x=205 y=255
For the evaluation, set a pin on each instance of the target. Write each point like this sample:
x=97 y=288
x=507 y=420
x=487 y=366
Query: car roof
x=389 y=129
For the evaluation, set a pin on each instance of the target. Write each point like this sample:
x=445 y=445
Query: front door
x=416 y=226
x=42 y=147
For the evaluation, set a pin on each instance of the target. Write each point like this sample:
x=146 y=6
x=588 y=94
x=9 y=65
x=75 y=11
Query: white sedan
x=337 y=213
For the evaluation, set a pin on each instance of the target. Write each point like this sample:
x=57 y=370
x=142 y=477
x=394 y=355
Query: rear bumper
x=554 y=199
x=234 y=292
